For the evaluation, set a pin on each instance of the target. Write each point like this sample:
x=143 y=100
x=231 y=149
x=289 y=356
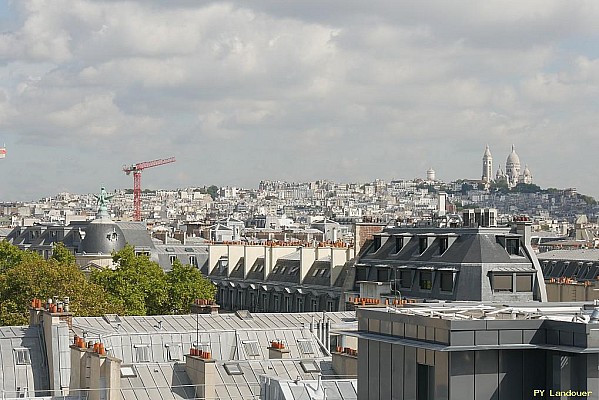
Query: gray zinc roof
x=571 y=255
x=23 y=367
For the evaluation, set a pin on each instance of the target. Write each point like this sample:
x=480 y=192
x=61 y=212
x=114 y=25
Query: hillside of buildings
x=291 y=206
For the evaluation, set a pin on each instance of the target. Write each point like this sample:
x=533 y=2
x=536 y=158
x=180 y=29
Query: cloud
x=341 y=90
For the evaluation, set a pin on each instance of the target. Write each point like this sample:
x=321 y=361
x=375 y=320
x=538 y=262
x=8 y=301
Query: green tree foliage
x=186 y=283
x=526 y=188
x=589 y=200
x=137 y=286
x=32 y=276
x=137 y=281
x=212 y=190
x=146 y=289
x=11 y=256
x=500 y=186
x=61 y=254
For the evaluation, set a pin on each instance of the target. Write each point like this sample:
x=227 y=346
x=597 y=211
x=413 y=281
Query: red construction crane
x=136 y=169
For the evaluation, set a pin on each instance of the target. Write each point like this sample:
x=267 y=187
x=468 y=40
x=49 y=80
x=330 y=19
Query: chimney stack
x=204 y=306
x=345 y=362
x=201 y=369
x=278 y=351
x=94 y=372
x=55 y=320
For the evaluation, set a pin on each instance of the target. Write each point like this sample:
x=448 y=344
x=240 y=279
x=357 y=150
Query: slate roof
x=474 y=246
x=226 y=335
x=570 y=255
x=136 y=233
x=29 y=377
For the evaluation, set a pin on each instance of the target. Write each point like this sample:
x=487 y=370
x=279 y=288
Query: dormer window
x=112 y=236
x=443 y=244
x=22 y=356
x=512 y=246
x=398 y=244
x=422 y=244
x=376 y=244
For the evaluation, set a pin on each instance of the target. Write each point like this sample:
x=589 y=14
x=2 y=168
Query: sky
x=344 y=90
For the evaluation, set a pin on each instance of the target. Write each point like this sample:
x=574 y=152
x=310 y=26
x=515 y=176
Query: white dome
x=526 y=171
x=513 y=158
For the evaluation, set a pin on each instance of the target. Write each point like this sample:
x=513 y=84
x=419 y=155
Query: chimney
x=201 y=369
x=345 y=362
x=204 y=306
x=56 y=321
x=524 y=228
x=94 y=372
x=35 y=312
x=278 y=351
x=78 y=367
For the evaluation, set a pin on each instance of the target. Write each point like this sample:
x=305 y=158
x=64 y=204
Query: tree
x=500 y=186
x=140 y=283
x=61 y=254
x=212 y=191
x=36 y=277
x=11 y=256
x=185 y=284
x=526 y=188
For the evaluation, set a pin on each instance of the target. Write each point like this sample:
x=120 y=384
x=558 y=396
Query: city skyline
x=244 y=91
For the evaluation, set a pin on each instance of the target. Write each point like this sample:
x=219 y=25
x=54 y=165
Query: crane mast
x=137 y=169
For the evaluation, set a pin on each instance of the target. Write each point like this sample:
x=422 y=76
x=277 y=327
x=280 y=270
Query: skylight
x=305 y=346
x=251 y=348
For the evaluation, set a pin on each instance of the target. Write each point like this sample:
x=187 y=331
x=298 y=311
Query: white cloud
x=346 y=90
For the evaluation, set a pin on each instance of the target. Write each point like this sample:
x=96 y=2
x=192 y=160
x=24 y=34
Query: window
x=523 y=282
x=425 y=382
x=193 y=261
x=443 y=244
x=172 y=259
x=405 y=278
x=112 y=237
x=128 y=371
x=175 y=352
x=305 y=346
x=142 y=353
x=398 y=244
x=22 y=356
x=310 y=366
x=512 y=246
x=233 y=369
x=577 y=270
x=314 y=305
x=446 y=281
x=361 y=274
x=376 y=243
x=293 y=271
x=426 y=280
x=287 y=304
x=382 y=274
x=251 y=348
x=331 y=306
x=502 y=283
x=422 y=244
x=188 y=250
x=300 y=305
